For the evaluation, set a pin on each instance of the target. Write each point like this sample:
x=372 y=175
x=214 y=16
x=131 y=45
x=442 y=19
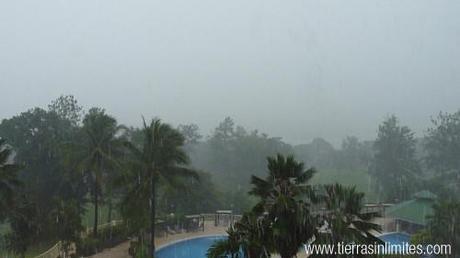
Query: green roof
x=415 y=210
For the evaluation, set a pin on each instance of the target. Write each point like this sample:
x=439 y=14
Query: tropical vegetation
x=66 y=173
x=160 y=159
x=291 y=213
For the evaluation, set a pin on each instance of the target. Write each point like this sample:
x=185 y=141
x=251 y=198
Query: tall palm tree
x=345 y=219
x=160 y=158
x=8 y=178
x=285 y=199
x=95 y=153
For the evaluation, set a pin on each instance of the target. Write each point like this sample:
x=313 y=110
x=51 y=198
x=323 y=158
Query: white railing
x=53 y=252
x=56 y=250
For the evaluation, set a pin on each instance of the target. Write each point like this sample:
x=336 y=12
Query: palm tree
x=96 y=152
x=250 y=237
x=8 y=178
x=285 y=200
x=345 y=219
x=160 y=157
x=226 y=247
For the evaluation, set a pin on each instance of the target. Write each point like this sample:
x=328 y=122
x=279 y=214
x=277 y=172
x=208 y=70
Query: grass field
x=358 y=178
x=88 y=217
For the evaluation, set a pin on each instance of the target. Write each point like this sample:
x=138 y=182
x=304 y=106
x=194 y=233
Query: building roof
x=425 y=195
x=415 y=210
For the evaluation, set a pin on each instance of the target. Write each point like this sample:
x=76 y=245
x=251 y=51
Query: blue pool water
x=191 y=248
x=397 y=241
x=395 y=238
x=197 y=247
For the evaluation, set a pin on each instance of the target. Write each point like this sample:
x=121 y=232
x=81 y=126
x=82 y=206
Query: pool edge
x=186 y=239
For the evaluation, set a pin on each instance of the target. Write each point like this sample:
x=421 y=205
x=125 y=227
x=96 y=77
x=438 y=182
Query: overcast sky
x=297 y=69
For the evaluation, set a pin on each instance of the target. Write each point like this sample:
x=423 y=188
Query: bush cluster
x=106 y=238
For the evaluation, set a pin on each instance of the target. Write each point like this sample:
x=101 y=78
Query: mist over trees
x=398 y=163
x=232 y=153
x=95 y=164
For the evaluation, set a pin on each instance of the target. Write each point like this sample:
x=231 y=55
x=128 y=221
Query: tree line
x=59 y=164
x=398 y=163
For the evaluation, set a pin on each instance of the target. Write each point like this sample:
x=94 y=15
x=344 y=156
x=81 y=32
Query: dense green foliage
x=38 y=138
x=85 y=155
x=394 y=166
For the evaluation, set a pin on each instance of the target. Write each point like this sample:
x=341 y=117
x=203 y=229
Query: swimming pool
x=395 y=238
x=188 y=248
x=395 y=242
x=198 y=246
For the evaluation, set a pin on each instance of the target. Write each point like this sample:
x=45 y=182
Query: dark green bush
x=88 y=246
x=107 y=237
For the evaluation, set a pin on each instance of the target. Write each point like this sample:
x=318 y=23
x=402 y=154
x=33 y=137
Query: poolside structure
x=223 y=218
x=194 y=223
x=411 y=216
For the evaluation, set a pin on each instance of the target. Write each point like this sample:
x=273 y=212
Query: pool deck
x=121 y=250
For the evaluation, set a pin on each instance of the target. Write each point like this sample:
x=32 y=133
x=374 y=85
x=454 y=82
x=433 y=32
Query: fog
x=295 y=69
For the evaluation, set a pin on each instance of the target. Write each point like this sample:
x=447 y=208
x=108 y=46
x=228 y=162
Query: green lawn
x=88 y=217
x=358 y=178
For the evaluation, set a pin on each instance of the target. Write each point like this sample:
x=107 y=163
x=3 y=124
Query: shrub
x=107 y=237
x=88 y=246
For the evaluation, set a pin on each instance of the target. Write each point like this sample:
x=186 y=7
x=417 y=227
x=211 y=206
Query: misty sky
x=297 y=69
